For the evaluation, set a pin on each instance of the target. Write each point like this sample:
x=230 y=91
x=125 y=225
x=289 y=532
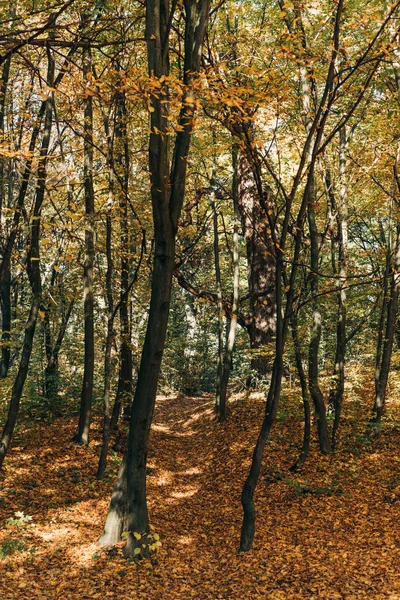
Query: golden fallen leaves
x=330 y=532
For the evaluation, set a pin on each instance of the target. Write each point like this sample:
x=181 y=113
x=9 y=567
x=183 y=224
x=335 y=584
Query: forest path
x=331 y=532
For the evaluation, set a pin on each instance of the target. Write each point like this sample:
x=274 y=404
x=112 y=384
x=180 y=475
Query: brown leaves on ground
x=330 y=532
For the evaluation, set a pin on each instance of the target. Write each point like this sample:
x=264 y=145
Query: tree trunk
x=5 y=324
x=33 y=269
x=82 y=433
x=260 y=271
x=6 y=284
x=306 y=400
x=227 y=359
x=342 y=216
x=221 y=337
x=167 y=193
x=124 y=391
x=109 y=339
x=392 y=308
x=313 y=369
x=51 y=370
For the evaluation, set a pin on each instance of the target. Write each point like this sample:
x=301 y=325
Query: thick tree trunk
x=260 y=271
x=249 y=511
x=167 y=193
x=82 y=433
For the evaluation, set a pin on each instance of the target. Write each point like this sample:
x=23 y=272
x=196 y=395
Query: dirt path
x=330 y=533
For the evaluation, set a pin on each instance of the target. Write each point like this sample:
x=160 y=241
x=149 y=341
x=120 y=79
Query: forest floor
x=330 y=532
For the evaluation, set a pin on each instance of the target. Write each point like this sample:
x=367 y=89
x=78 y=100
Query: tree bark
x=260 y=270
x=221 y=336
x=227 y=358
x=167 y=194
x=342 y=216
x=109 y=339
x=306 y=400
x=33 y=270
x=313 y=369
x=82 y=434
x=124 y=390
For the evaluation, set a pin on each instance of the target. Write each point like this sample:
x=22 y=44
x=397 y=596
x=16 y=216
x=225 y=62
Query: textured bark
x=261 y=324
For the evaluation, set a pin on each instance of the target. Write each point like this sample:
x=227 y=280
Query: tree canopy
x=199 y=208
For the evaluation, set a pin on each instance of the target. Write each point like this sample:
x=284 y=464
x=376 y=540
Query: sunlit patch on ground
x=330 y=532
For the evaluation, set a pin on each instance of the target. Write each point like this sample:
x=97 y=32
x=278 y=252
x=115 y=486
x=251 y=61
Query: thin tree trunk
x=315 y=391
x=5 y=324
x=82 y=434
x=382 y=319
x=51 y=370
x=6 y=284
x=306 y=400
x=342 y=216
x=227 y=359
x=109 y=339
x=33 y=269
x=392 y=308
x=26 y=175
x=221 y=337
x=382 y=375
x=124 y=391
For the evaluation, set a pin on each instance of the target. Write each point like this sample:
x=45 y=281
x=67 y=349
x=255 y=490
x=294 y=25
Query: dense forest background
x=199 y=266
